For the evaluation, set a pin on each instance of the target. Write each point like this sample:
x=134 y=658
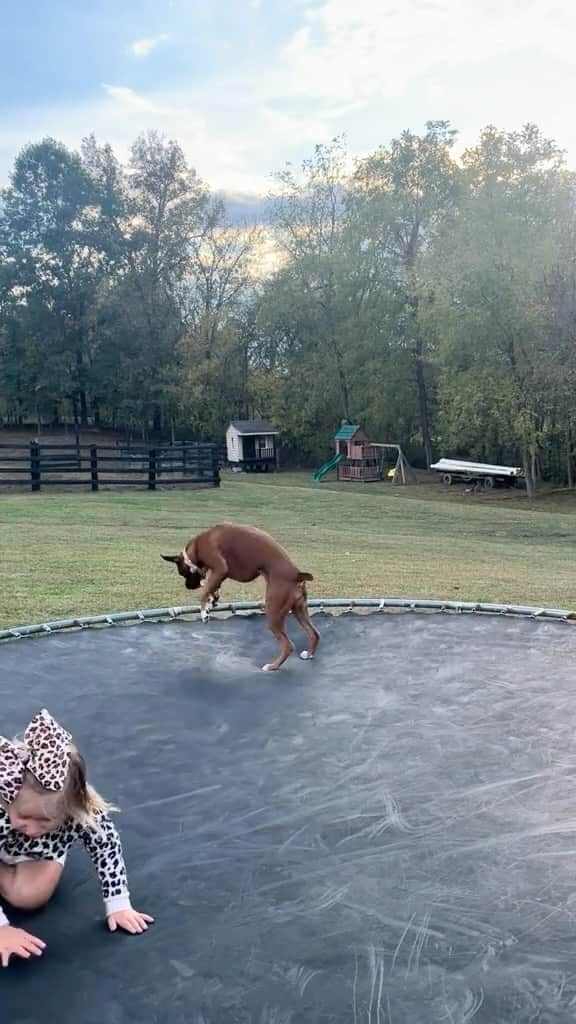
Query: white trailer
x=484 y=473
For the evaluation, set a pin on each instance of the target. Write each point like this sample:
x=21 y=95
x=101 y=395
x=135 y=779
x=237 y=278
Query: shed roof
x=253 y=427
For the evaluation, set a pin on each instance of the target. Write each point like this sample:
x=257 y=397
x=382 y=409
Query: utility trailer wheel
x=488 y=483
x=447 y=479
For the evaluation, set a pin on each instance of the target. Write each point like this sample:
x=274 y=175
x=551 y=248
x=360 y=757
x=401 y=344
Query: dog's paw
x=268 y=668
x=306 y=656
x=204 y=614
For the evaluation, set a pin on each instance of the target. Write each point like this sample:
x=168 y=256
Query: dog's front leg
x=211 y=589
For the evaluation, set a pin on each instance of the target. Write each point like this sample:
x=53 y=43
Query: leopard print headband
x=45 y=753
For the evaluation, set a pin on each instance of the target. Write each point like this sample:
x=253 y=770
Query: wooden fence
x=37 y=465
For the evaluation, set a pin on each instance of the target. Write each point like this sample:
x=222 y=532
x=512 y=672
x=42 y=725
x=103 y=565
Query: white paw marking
x=204 y=615
x=267 y=668
x=306 y=656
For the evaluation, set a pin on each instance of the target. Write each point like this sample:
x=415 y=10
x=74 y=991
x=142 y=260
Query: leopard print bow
x=45 y=753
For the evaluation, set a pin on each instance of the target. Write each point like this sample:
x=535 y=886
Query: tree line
x=426 y=293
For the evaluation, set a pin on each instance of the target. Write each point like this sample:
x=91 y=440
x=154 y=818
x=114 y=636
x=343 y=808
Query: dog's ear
x=170 y=558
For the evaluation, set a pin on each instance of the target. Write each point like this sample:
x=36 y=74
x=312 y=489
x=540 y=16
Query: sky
x=247 y=85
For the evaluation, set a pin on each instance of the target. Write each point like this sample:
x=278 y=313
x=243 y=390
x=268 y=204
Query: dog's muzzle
x=194 y=575
x=193 y=581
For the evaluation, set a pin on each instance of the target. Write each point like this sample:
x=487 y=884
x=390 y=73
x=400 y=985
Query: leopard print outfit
x=102 y=844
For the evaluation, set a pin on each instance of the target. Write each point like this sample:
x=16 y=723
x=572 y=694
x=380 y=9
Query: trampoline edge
x=377 y=604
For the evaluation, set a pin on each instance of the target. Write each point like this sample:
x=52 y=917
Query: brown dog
x=243 y=553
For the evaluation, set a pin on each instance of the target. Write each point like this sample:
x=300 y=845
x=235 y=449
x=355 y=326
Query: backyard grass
x=71 y=554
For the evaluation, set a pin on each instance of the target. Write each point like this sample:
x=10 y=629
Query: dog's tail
x=305 y=577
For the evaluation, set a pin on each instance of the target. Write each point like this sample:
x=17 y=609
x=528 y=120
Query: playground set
x=363 y=461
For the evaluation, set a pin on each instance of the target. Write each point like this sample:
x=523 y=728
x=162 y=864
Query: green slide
x=327 y=467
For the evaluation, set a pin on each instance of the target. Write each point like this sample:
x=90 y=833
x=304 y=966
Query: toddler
x=46 y=805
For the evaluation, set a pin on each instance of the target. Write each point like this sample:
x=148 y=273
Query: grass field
x=71 y=554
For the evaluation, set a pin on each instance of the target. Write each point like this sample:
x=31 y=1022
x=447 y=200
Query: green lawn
x=70 y=554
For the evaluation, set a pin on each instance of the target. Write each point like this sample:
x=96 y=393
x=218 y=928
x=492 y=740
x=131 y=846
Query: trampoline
x=386 y=835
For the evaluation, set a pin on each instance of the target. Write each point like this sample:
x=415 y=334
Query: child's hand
x=16 y=942
x=130 y=920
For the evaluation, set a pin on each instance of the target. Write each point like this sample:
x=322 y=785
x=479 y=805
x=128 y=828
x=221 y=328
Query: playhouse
x=252 y=445
x=360 y=459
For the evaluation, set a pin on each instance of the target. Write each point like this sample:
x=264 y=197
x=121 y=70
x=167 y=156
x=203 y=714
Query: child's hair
x=79 y=801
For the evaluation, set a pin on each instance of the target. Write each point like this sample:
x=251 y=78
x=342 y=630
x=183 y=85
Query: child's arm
x=105 y=848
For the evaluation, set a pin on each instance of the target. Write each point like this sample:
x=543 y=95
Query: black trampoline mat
x=385 y=835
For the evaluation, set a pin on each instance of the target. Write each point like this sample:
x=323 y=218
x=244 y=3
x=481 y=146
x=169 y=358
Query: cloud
x=225 y=154
x=128 y=98
x=375 y=48
x=367 y=68
x=143 y=47
x=294 y=130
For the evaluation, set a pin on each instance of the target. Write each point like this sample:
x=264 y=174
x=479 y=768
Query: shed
x=252 y=445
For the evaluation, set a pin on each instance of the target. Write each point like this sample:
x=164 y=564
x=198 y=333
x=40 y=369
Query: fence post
x=216 y=466
x=94 y=467
x=35 y=465
x=152 y=469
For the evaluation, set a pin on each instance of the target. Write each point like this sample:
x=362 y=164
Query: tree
x=405 y=194
x=216 y=298
x=166 y=201
x=152 y=213
x=489 y=272
x=307 y=215
x=325 y=314
x=49 y=241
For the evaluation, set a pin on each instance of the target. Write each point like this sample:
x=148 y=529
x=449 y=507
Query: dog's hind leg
x=278 y=604
x=300 y=611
